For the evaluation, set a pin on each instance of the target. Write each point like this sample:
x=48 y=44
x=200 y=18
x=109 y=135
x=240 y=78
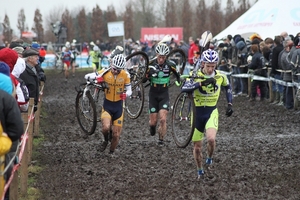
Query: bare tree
x=128 y=21
x=82 y=25
x=21 y=22
x=230 y=10
x=216 y=17
x=97 y=28
x=38 y=26
x=67 y=20
x=170 y=17
x=53 y=16
x=201 y=18
x=7 y=31
x=111 y=16
x=186 y=20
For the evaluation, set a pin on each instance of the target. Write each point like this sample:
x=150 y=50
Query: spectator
x=10 y=119
x=257 y=63
x=30 y=74
x=277 y=88
x=192 y=50
x=287 y=74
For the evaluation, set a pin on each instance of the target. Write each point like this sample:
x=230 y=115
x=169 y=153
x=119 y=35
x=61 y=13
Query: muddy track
x=257 y=155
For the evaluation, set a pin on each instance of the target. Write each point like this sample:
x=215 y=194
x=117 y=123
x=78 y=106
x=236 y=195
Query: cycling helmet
x=95 y=48
x=162 y=49
x=119 y=61
x=210 y=56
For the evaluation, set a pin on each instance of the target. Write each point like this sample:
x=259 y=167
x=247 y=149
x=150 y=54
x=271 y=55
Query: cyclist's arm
x=128 y=90
x=228 y=93
x=190 y=87
x=176 y=73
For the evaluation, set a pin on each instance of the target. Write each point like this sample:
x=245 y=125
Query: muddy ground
x=257 y=155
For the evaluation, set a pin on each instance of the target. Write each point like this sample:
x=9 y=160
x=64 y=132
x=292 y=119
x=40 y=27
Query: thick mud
x=257 y=155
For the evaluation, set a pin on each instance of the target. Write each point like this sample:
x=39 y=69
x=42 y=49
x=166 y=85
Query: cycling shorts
x=113 y=111
x=96 y=65
x=67 y=64
x=158 y=101
x=206 y=117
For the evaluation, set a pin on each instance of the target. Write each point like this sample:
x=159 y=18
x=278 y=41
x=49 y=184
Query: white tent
x=267 y=18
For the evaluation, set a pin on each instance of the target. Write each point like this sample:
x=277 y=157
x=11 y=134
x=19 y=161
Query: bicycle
x=89 y=94
x=184 y=109
x=183 y=115
x=87 y=104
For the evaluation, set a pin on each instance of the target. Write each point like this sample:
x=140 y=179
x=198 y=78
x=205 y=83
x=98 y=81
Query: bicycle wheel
x=178 y=56
x=86 y=113
x=135 y=103
x=98 y=96
x=183 y=119
x=138 y=61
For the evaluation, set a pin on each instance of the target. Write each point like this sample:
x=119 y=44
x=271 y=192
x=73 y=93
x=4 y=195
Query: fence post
x=37 y=113
x=30 y=131
x=25 y=158
x=270 y=85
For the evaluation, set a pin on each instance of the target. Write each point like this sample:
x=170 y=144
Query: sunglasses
x=115 y=69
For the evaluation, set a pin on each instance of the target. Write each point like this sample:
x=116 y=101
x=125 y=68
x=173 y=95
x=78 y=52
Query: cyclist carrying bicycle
x=206 y=94
x=118 y=81
x=159 y=101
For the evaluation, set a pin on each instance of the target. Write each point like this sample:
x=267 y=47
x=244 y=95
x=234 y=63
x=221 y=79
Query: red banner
x=149 y=34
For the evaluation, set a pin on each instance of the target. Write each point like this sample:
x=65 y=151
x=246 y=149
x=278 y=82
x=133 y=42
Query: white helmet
x=119 y=61
x=96 y=48
x=162 y=49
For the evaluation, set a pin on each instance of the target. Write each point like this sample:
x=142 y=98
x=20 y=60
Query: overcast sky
x=13 y=7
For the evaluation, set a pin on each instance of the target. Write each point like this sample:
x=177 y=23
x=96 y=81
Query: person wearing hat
x=30 y=74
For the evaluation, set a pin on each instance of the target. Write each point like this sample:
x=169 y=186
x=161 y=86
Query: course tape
x=261 y=78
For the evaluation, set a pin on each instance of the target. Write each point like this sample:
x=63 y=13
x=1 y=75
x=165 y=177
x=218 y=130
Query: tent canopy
x=267 y=18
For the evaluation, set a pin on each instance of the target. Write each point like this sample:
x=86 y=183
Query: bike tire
x=178 y=56
x=141 y=60
x=86 y=112
x=135 y=103
x=183 y=119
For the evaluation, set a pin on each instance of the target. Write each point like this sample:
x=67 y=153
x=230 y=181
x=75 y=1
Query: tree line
x=195 y=16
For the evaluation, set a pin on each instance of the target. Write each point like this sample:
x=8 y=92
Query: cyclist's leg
x=116 y=131
x=153 y=111
x=211 y=132
x=164 y=105
x=106 y=125
x=73 y=64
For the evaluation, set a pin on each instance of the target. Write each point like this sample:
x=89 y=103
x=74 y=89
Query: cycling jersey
x=208 y=95
x=95 y=55
x=161 y=81
x=116 y=84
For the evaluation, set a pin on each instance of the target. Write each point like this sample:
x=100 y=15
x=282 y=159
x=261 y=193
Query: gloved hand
x=179 y=82
x=123 y=96
x=99 y=79
x=229 y=110
x=208 y=81
x=152 y=72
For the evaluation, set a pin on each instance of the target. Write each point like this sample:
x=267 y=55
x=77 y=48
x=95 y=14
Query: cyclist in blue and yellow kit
x=206 y=95
x=118 y=81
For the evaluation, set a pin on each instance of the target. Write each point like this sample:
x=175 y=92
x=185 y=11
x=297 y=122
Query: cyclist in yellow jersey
x=118 y=81
x=206 y=95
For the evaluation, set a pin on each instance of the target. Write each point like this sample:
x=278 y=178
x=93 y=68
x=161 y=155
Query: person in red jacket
x=192 y=50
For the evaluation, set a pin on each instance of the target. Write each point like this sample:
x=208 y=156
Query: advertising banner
x=115 y=29
x=149 y=34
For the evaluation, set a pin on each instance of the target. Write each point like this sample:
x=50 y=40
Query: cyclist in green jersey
x=96 y=56
x=206 y=94
x=159 y=102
